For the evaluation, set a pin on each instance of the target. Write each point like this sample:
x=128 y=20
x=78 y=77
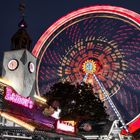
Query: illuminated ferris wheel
x=99 y=45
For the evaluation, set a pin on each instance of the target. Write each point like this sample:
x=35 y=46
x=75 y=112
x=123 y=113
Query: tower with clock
x=19 y=65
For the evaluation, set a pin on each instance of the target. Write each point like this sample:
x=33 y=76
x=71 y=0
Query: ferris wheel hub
x=89 y=66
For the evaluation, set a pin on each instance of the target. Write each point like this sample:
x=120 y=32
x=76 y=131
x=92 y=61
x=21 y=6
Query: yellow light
x=5 y=82
x=39 y=98
x=73 y=123
x=90 y=81
x=17 y=121
x=89 y=66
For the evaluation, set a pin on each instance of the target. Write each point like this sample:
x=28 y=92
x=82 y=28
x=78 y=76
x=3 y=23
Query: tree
x=76 y=101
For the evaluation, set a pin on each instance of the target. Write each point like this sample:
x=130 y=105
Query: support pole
x=85 y=77
x=111 y=103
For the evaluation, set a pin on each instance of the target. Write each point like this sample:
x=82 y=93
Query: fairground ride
x=97 y=45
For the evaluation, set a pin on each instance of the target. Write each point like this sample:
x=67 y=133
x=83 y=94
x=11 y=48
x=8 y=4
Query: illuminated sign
x=12 y=96
x=66 y=126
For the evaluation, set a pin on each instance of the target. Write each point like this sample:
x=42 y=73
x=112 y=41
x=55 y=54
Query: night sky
x=40 y=14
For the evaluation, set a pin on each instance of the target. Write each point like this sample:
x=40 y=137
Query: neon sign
x=66 y=126
x=12 y=96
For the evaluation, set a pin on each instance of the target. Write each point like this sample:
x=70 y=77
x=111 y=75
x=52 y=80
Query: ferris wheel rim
x=116 y=10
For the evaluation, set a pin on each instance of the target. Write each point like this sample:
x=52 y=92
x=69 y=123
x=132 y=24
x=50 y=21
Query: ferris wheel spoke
x=121 y=107
x=129 y=89
x=71 y=73
x=54 y=80
x=132 y=72
x=129 y=38
x=51 y=65
x=132 y=55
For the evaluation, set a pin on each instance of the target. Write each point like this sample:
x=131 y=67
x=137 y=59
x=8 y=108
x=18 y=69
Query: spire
x=21 y=39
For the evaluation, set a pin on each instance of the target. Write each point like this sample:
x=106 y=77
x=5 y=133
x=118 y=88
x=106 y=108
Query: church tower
x=21 y=39
x=19 y=65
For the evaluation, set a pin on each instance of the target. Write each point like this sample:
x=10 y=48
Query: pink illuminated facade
x=12 y=96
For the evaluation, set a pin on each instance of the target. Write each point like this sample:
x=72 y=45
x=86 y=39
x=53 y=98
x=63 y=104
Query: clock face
x=13 y=64
x=31 y=67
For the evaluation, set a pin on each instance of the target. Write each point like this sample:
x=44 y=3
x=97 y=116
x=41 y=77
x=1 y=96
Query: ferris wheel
x=98 y=45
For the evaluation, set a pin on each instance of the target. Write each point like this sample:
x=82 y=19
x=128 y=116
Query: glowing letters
x=66 y=126
x=12 y=96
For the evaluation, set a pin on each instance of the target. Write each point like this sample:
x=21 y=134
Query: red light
x=92 y=9
x=12 y=96
x=133 y=126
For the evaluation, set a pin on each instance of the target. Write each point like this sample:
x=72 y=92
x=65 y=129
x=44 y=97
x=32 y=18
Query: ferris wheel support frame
x=111 y=103
x=109 y=100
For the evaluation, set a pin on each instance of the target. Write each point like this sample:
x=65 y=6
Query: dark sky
x=40 y=14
